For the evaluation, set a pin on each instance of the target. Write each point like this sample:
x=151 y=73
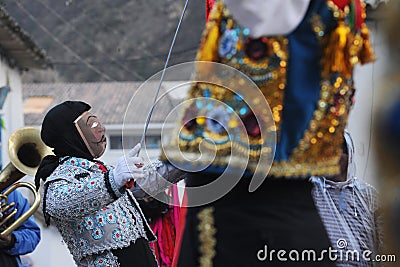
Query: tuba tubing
x=26 y=150
x=9 y=175
x=35 y=205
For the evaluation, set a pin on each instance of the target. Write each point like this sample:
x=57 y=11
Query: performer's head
x=71 y=130
x=344 y=159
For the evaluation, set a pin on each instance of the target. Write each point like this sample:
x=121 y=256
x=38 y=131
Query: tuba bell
x=26 y=150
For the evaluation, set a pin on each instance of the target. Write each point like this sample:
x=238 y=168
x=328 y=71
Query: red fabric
x=101 y=167
x=209 y=5
x=358 y=14
x=165 y=228
x=341 y=3
x=130 y=184
x=179 y=231
x=359 y=20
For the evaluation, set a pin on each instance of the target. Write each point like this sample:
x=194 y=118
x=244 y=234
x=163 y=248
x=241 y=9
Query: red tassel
x=209 y=5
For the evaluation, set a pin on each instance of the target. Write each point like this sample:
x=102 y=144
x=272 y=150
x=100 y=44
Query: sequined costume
x=306 y=77
x=92 y=216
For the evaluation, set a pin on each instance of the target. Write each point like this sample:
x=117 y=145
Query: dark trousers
x=138 y=254
x=7 y=260
x=250 y=228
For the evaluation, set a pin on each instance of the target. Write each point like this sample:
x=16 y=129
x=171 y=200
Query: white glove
x=128 y=168
x=158 y=177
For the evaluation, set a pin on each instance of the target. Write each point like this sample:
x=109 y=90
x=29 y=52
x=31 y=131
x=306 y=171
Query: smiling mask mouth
x=102 y=140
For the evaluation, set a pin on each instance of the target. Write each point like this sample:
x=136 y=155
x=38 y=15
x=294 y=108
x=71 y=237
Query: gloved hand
x=129 y=167
x=158 y=177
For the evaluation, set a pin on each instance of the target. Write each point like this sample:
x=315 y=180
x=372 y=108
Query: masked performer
x=88 y=201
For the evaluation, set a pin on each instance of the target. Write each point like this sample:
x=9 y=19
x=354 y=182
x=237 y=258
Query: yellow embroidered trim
x=268 y=77
x=282 y=169
x=271 y=78
x=207 y=238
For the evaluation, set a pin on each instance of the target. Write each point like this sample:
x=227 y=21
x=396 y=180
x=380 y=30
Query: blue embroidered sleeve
x=111 y=185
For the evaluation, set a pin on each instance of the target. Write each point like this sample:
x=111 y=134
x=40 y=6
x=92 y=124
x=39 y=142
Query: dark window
x=151 y=141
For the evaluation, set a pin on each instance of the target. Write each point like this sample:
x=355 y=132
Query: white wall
x=12 y=109
x=51 y=251
x=368 y=80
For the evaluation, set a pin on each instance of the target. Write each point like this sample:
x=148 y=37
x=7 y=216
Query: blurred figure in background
x=349 y=210
x=387 y=133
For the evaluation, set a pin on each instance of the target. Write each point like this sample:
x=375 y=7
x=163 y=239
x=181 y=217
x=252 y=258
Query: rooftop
x=18 y=47
x=115 y=103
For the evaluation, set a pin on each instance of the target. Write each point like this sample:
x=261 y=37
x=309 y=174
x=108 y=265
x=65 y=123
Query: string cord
x=146 y=125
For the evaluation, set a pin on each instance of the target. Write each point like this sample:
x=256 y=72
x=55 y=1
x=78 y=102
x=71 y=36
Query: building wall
x=12 y=109
x=368 y=81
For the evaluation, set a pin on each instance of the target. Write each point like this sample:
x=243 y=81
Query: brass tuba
x=26 y=150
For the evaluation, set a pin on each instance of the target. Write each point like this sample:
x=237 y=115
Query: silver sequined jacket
x=92 y=215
